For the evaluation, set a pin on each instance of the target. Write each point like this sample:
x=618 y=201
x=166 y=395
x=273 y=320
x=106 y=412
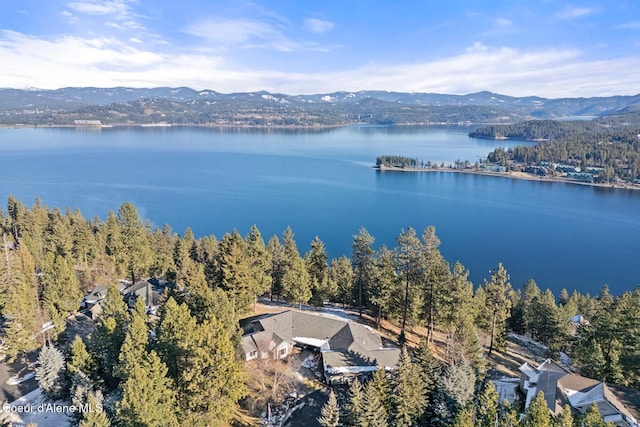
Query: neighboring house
x=561 y=387
x=149 y=291
x=95 y=296
x=99 y=293
x=576 y=322
x=347 y=348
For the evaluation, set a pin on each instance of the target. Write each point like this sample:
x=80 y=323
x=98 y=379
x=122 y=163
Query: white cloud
x=222 y=33
x=29 y=61
x=576 y=12
x=503 y=22
x=113 y=7
x=118 y=10
x=318 y=25
x=632 y=25
x=477 y=47
x=232 y=31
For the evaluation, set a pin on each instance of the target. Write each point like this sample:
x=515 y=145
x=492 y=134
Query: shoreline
x=510 y=175
x=231 y=126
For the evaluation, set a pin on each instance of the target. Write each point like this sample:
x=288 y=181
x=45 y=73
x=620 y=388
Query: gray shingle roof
x=350 y=344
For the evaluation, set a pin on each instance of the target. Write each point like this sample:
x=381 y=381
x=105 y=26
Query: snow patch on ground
x=529 y=342
x=34 y=408
x=506 y=388
x=17 y=379
x=310 y=362
x=565 y=359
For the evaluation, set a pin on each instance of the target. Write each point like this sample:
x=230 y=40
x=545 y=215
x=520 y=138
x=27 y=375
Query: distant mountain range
x=183 y=105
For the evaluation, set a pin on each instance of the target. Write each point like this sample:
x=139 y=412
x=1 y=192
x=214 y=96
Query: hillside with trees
x=188 y=107
x=608 y=149
x=183 y=367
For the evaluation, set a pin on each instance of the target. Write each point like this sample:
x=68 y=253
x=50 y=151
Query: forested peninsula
x=604 y=152
x=178 y=362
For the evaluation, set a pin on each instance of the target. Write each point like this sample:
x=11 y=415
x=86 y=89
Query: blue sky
x=514 y=47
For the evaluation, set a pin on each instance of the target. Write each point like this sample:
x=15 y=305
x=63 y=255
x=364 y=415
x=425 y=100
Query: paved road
x=308 y=415
x=79 y=325
x=8 y=392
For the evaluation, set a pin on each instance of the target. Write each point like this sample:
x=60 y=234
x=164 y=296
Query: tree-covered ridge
x=537 y=130
x=255 y=112
x=603 y=150
x=189 y=362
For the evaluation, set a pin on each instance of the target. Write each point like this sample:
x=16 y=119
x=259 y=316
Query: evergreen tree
x=330 y=413
x=436 y=279
x=317 y=267
x=428 y=369
x=410 y=259
x=18 y=299
x=592 y=418
x=293 y=278
x=133 y=253
x=374 y=414
x=531 y=293
x=564 y=418
x=85 y=247
x=182 y=259
x=487 y=406
x=497 y=306
x=105 y=342
x=342 y=274
x=236 y=276
x=162 y=264
x=465 y=418
x=259 y=262
x=79 y=392
x=459 y=313
x=276 y=253
x=175 y=321
x=61 y=293
x=148 y=396
x=96 y=417
x=537 y=414
x=202 y=360
x=508 y=415
x=382 y=288
x=295 y=282
x=409 y=392
x=547 y=324
x=79 y=360
x=362 y=262
x=356 y=404
x=458 y=385
x=58 y=234
x=136 y=341
x=380 y=385
x=50 y=372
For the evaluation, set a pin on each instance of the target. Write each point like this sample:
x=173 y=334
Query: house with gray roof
x=562 y=387
x=347 y=348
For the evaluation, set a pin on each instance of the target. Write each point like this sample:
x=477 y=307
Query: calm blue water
x=320 y=183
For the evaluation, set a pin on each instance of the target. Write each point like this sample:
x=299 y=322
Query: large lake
x=321 y=183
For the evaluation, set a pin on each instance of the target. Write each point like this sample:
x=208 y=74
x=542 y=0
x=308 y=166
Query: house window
x=283 y=351
x=253 y=355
